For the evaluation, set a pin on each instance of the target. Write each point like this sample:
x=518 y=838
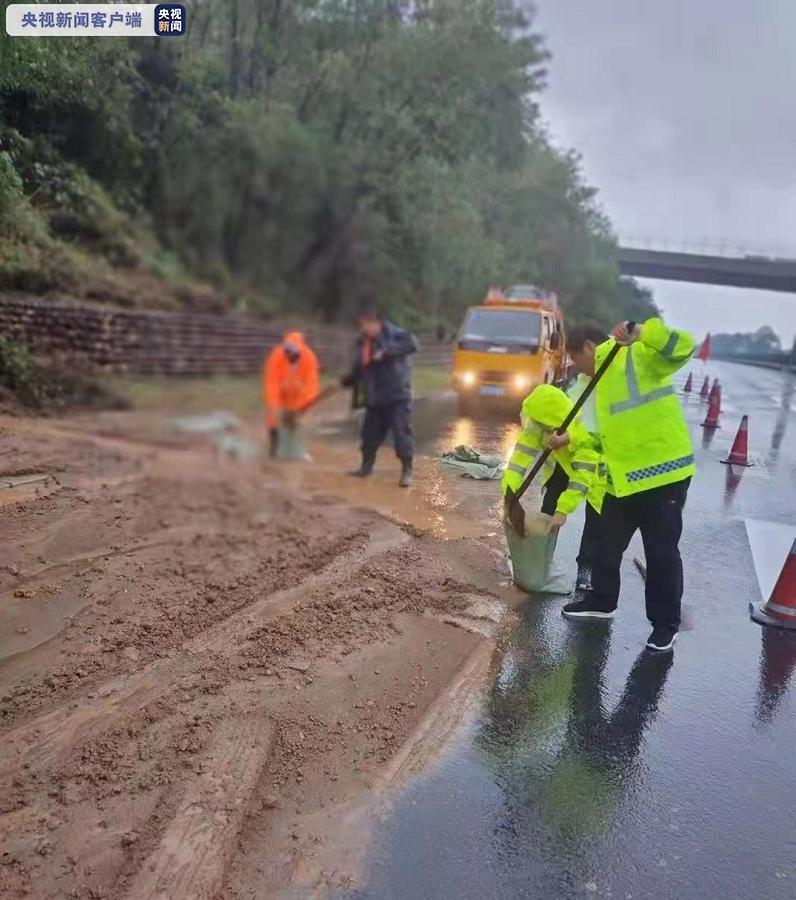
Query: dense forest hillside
x=305 y=155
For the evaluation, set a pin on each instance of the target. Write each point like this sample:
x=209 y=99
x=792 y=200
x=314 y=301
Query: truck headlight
x=522 y=382
x=468 y=379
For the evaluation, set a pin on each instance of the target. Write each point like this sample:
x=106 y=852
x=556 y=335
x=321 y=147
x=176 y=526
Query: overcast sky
x=685 y=114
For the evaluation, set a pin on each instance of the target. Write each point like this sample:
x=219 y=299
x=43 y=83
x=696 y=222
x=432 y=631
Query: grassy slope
x=238 y=394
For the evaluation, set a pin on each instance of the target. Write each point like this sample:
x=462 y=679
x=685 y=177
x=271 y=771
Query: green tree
x=317 y=151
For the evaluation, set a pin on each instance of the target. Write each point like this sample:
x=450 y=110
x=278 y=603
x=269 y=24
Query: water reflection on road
x=442 y=502
x=594 y=769
x=551 y=738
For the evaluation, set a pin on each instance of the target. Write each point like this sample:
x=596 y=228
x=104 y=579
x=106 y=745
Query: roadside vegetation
x=762 y=342
x=303 y=156
x=31 y=384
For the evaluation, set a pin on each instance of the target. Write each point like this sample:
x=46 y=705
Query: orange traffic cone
x=739 y=454
x=716 y=387
x=780 y=608
x=689 y=383
x=705 y=388
x=712 y=418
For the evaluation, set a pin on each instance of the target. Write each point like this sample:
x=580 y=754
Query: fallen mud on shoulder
x=32 y=447
x=403 y=580
x=105 y=579
x=198 y=660
x=150 y=603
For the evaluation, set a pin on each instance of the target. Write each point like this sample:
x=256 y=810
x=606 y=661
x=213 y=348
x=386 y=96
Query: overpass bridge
x=751 y=271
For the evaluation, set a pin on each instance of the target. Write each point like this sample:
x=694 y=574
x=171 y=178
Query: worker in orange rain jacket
x=290 y=384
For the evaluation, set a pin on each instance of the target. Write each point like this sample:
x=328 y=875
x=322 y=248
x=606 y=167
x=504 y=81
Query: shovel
x=329 y=391
x=515 y=514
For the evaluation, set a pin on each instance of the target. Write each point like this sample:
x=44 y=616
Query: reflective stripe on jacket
x=588 y=412
x=544 y=409
x=644 y=437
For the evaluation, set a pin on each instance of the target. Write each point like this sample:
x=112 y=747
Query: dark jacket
x=387 y=380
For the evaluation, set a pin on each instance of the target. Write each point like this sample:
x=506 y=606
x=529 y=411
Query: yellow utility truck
x=505 y=347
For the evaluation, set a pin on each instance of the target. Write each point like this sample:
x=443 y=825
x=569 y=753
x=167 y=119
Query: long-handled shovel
x=515 y=514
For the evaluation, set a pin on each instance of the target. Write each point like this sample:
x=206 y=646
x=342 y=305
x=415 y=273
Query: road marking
x=770 y=543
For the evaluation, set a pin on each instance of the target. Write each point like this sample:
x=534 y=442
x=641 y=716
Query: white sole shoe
x=589 y=614
x=657 y=648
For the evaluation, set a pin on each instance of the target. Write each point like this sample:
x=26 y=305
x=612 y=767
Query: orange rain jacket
x=289 y=386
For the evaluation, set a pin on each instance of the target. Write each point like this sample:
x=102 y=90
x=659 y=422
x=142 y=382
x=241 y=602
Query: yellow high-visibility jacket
x=644 y=438
x=543 y=410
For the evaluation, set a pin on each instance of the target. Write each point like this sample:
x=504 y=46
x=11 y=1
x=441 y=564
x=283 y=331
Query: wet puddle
x=442 y=503
x=591 y=768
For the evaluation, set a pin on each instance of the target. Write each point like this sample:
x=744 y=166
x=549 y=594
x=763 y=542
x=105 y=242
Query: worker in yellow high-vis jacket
x=558 y=480
x=647 y=449
x=543 y=410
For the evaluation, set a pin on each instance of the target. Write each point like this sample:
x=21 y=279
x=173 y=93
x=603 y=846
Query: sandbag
x=531 y=559
x=471 y=470
x=208 y=423
x=472 y=463
x=237 y=447
x=290 y=445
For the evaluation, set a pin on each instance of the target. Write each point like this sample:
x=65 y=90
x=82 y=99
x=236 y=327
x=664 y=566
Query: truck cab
x=508 y=345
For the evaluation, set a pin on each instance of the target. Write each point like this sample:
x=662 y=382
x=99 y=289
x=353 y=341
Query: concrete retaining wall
x=169 y=343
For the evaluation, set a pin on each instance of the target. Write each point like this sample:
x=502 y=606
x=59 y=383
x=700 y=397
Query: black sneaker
x=583 y=582
x=662 y=639
x=585 y=609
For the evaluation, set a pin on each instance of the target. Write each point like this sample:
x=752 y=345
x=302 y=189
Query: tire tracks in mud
x=190 y=840
x=167 y=779
x=50 y=734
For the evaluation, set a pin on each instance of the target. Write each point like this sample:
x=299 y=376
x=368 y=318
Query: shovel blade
x=515 y=518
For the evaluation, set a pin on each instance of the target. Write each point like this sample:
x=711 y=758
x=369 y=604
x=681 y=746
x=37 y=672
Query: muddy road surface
x=591 y=769
x=206 y=665
x=224 y=680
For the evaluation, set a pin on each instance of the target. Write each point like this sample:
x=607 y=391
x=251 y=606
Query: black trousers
x=554 y=488
x=380 y=420
x=658 y=515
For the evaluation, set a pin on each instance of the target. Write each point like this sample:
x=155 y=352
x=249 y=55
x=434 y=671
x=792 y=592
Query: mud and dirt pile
x=405 y=580
x=195 y=663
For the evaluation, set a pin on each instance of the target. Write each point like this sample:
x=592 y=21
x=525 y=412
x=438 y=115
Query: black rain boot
x=366 y=467
x=406 y=474
x=273 y=442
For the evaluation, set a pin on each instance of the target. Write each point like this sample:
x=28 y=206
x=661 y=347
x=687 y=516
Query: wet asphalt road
x=594 y=769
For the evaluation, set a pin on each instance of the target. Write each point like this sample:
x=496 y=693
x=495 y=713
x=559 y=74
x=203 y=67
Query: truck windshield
x=509 y=327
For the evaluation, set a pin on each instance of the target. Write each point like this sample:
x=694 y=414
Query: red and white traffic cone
x=739 y=454
x=705 y=388
x=716 y=388
x=689 y=384
x=714 y=410
x=780 y=608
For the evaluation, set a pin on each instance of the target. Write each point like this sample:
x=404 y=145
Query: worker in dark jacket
x=382 y=376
